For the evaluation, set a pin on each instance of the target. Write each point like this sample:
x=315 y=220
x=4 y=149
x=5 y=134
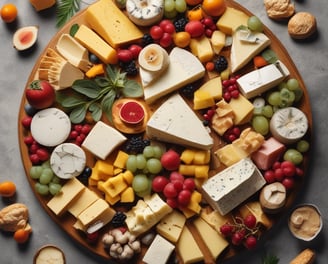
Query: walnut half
x=13 y=217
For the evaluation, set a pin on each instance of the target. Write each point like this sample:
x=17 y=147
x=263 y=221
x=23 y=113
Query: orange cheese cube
x=121 y=159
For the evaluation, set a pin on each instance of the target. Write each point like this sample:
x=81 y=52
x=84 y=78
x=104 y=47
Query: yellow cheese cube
x=255 y=209
x=114 y=185
x=188 y=213
x=86 y=198
x=187 y=170
x=104 y=170
x=203 y=99
x=231 y=20
x=171 y=225
x=70 y=191
x=213 y=87
x=92 y=182
x=187 y=156
x=201 y=171
x=112 y=200
x=117 y=171
x=42 y=4
x=128 y=177
x=95 y=44
x=196 y=197
x=111 y=23
x=201 y=48
x=127 y=196
x=230 y=154
x=242 y=109
x=121 y=159
x=187 y=247
x=222 y=123
x=202 y=157
x=218 y=40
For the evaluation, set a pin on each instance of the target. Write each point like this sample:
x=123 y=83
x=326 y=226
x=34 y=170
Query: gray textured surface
x=311 y=60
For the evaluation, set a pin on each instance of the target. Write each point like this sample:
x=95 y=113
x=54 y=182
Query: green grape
x=158 y=152
x=46 y=176
x=146 y=191
x=42 y=189
x=255 y=24
x=154 y=165
x=294 y=156
x=46 y=164
x=298 y=94
x=292 y=84
x=171 y=14
x=267 y=111
x=55 y=179
x=131 y=163
x=302 y=146
x=180 y=6
x=169 y=5
x=35 y=172
x=54 y=188
x=282 y=85
x=140 y=183
x=148 y=152
x=257 y=111
x=286 y=97
x=274 y=98
x=141 y=161
x=261 y=125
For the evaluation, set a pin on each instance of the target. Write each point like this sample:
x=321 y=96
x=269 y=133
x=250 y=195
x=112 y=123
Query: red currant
x=279 y=174
x=189 y=184
x=26 y=121
x=234 y=94
x=34 y=158
x=288 y=183
x=269 y=176
x=29 y=140
x=237 y=238
x=43 y=154
x=288 y=168
x=226 y=229
x=156 y=32
x=250 y=221
x=184 y=198
x=251 y=242
x=299 y=172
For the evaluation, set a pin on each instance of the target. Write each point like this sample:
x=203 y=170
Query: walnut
x=13 y=217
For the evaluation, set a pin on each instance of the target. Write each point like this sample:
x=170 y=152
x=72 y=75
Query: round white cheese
x=288 y=125
x=145 y=13
x=67 y=160
x=50 y=127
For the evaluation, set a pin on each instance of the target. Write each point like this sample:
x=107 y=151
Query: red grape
x=156 y=32
x=226 y=229
x=169 y=190
x=189 y=184
x=158 y=183
x=184 y=197
x=250 y=221
x=250 y=242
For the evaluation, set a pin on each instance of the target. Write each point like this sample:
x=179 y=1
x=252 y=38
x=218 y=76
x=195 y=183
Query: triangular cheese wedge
x=242 y=51
x=175 y=122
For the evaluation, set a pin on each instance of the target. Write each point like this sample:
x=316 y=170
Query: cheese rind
x=230 y=187
x=184 y=68
x=111 y=23
x=175 y=122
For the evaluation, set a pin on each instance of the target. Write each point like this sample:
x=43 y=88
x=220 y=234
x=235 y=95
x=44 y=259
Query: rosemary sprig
x=270 y=259
x=66 y=9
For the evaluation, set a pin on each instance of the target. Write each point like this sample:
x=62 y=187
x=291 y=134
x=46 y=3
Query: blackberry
x=220 y=64
x=180 y=23
x=146 y=40
x=118 y=219
x=130 y=68
x=188 y=91
x=135 y=145
x=84 y=176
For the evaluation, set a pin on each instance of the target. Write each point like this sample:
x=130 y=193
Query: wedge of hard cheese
x=175 y=122
x=184 y=68
x=232 y=186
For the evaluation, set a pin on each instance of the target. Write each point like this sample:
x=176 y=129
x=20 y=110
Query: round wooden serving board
x=66 y=221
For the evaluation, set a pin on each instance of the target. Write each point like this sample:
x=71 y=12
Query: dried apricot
x=214 y=7
x=21 y=235
x=7 y=189
x=8 y=12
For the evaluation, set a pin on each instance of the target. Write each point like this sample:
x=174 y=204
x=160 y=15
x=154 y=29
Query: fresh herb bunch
x=98 y=95
x=66 y=9
x=270 y=259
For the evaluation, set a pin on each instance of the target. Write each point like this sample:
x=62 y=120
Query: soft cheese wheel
x=67 y=160
x=50 y=127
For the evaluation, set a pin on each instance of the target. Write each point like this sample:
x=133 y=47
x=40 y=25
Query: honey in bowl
x=305 y=222
x=49 y=254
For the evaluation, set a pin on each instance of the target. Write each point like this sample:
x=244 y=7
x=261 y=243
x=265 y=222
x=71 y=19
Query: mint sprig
x=98 y=95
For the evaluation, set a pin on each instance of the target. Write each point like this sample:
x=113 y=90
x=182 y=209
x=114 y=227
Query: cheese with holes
x=102 y=140
x=232 y=186
x=68 y=194
x=188 y=248
x=159 y=251
x=231 y=20
x=215 y=243
x=95 y=44
x=242 y=52
x=260 y=80
x=111 y=23
x=170 y=227
x=175 y=122
x=184 y=68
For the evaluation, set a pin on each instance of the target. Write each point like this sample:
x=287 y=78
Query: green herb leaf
x=132 y=89
x=270 y=259
x=71 y=101
x=74 y=28
x=112 y=73
x=269 y=55
x=102 y=82
x=96 y=111
x=86 y=87
x=107 y=103
x=78 y=114
x=66 y=10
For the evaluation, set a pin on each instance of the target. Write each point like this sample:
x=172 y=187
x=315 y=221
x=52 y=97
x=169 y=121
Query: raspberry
x=221 y=64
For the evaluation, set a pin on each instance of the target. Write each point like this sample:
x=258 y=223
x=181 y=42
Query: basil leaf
x=87 y=87
x=74 y=28
x=132 y=89
x=102 y=82
x=107 y=103
x=111 y=73
x=96 y=111
x=78 y=114
x=71 y=101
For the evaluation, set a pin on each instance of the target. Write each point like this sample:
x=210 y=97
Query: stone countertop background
x=311 y=59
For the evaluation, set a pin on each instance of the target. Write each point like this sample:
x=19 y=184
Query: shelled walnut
x=14 y=217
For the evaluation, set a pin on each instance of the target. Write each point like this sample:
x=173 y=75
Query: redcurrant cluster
x=209 y=26
x=163 y=33
x=230 y=88
x=232 y=134
x=79 y=133
x=243 y=231
x=37 y=153
x=285 y=172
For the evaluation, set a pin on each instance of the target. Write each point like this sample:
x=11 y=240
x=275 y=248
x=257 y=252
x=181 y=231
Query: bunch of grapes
x=243 y=231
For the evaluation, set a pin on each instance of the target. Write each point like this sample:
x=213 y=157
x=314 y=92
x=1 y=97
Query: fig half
x=25 y=37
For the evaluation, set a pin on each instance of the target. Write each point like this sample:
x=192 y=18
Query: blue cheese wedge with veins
x=67 y=160
x=232 y=186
